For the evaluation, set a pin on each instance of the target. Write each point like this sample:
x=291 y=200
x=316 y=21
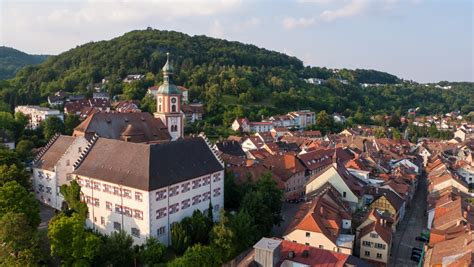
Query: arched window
x=173 y=108
x=159 y=108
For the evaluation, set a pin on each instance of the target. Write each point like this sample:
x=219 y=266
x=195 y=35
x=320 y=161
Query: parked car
x=416 y=249
x=421 y=238
x=415 y=258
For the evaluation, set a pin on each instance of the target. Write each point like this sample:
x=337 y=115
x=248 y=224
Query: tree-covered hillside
x=11 y=60
x=231 y=78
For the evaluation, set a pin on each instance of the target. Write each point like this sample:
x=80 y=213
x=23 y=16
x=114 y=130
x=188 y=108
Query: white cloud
x=292 y=22
x=216 y=29
x=353 y=8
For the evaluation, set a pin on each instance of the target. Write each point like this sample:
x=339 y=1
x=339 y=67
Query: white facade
x=260 y=127
x=467 y=173
x=37 y=114
x=142 y=213
x=46 y=183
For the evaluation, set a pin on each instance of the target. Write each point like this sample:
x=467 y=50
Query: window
x=107 y=188
x=118 y=209
x=344 y=194
x=48 y=190
x=117 y=226
x=374 y=235
x=174 y=191
x=88 y=184
x=217 y=177
x=196 y=199
x=108 y=205
x=321 y=246
x=379 y=255
x=206 y=196
x=308 y=234
x=366 y=243
x=161 y=231
x=185 y=187
x=379 y=246
x=174 y=208
x=367 y=253
x=135 y=232
x=102 y=220
x=185 y=204
x=79 y=149
x=116 y=191
x=159 y=108
x=217 y=192
x=95 y=202
x=160 y=213
x=307 y=244
x=160 y=195
x=138 y=214
x=127 y=211
x=197 y=183
x=96 y=186
x=173 y=108
x=41 y=188
x=216 y=207
x=127 y=193
x=138 y=196
x=206 y=180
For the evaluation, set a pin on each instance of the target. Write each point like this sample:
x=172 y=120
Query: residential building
x=292 y=172
x=36 y=114
x=375 y=243
x=324 y=222
x=77 y=107
x=193 y=112
x=133 y=77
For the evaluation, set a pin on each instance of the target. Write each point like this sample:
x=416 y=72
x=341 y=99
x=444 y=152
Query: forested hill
x=231 y=78
x=11 y=60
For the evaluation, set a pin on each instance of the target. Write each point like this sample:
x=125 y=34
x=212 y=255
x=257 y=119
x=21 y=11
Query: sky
x=421 y=40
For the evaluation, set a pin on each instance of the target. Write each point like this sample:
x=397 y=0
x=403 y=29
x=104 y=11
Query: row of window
x=137 y=214
x=134 y=231
x=185 y=187
x=173 y=208
x=376 y=245
x=115 y=190
x=41 y=188
x=367 y=254
x=42 y=175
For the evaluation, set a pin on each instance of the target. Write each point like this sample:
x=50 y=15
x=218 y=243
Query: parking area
x=411 y=227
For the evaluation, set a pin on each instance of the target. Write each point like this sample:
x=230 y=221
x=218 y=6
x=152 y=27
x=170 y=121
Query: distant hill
x=11 y=60
x=230 y=78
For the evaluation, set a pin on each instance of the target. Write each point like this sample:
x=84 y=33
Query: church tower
x=168 y=105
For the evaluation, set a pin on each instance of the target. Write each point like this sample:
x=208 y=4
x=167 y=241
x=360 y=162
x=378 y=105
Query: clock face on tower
x=173 y=100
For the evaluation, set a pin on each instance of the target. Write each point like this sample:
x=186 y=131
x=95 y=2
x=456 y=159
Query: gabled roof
x=230 y=147
x=383 y=231
x=148 y=166
x=54 y=152
x=391 y=197
x=285 y=166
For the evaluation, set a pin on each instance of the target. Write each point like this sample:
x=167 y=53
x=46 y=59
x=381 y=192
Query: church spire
x=168 y=87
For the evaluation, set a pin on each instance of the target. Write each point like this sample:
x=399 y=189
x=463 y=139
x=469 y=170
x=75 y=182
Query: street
x=46 y=213
x=409 y=228
x=288 y=212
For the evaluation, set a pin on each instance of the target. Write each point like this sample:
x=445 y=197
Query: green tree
x=72 y=196
x=180 y=237
x=71 y=242
x=15 y=198
x=197 y=255
x=324 y=122
x=200 y=228
x=222 y=239
x=394 y=121
x=10 y=173
x=379 y=132
x=51 y=126
x=232 y=196
x=19 y=241
x=9 y=157
x=23 y=148
x=153 y=252
x=244 y=229
x=396 y=134
x=70 y=122
x=117 y=250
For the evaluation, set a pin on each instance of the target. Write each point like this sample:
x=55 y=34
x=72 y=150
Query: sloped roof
x=54 y=153
x=148 y=166
x=384 y=232
x=113 y=125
